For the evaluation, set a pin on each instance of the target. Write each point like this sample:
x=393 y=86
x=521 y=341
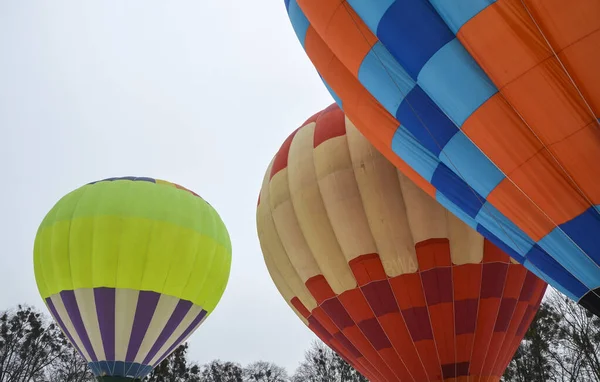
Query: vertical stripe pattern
x=153 y=323
x=381 y=272
x=129 y=267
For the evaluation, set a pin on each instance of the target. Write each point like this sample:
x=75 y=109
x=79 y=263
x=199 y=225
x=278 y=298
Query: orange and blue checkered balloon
x=490 y=106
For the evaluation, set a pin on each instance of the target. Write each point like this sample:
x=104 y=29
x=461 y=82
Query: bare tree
x=218 y=371
x=262 y=371
x=70 y=366
x=28 y=345
x=176 y=368
x=321 y=364
x=579 y=351
x=561 y=345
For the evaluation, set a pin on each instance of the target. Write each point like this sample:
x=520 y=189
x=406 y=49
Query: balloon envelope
x=492 y=107
x=129 y=268
x=381 y=272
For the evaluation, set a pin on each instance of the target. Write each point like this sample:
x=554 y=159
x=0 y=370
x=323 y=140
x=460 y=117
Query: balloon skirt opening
x=117 y=379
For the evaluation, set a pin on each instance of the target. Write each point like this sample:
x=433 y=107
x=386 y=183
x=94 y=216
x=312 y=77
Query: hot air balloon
x=490 y=106
x=129 y=268
x=381 y=272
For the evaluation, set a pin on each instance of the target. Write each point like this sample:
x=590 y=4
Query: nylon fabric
x=493 y=103
x=423 y=297
x=129 y=268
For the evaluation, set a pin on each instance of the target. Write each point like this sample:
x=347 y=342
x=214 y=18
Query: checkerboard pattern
x=491 y=106
x=444 y=322
x=380 y=271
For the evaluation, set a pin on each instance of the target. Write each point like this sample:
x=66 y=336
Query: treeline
x=34 y=349
x=562 y=345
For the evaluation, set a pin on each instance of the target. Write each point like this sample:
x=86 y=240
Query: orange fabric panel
x=442 y=323
x=319 y=288
x=573 y=30
x=367 y=268
x=394 y=326
x=398 y=367
x=582 y=60
x=509 y=46
x=488 y=310
x=433 y=253
x=565 y=22
x=508 y=147
x=580 y=153
x=504 y=41
x=548 y=102
x=363 y=345
x=428 y=353
x=509 y=200
x=491 y=253
x=467 y=281
x=535 y=178
x=492 y=353
x=514 y=281
x=464 y=347
x=345 y=32
x=319 y=12
x=356 y=305
x=408 y=290
x=462 y=379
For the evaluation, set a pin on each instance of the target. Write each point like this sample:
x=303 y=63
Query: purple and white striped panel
x=134 y=327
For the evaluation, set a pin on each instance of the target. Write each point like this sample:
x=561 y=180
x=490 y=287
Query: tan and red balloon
x=380 y=271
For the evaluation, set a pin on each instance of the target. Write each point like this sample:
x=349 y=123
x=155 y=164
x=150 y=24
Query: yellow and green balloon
x=129 y=268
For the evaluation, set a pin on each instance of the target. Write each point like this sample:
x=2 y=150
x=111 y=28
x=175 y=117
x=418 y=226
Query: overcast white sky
x=201 y=93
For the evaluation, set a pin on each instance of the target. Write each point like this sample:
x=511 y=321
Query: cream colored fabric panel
x=284 y=289
x=426 y=217
x=286 y=276
x=87 y=307
x=185 y=322
x=312 y=215
x=383 y=204
x=164 y=310
x=64 y=316
x=279 y=192
x=125 y=304
x=287 y=228
x=289 y=286
x=342 y=198
x=466 y=244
